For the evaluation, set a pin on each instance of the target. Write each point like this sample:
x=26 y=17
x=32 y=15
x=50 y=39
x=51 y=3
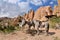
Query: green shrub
x=53 y=21
x=8 y=29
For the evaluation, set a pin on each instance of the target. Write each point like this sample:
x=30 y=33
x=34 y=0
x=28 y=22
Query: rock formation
x=42 y=12
x=56 y=11
x=29 y=16
x=15 y=21
x=58 y=2
x=26 y=16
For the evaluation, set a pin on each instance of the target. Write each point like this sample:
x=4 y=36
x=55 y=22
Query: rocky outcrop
x=44 y=19
x=58 y=14
x=56 y=11
x=29 y=15
x=15 y=21
x=39 y=14
x=26 y=16
x=42 y=12
x=58 y=2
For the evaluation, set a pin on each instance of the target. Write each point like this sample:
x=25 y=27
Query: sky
x=13 y=8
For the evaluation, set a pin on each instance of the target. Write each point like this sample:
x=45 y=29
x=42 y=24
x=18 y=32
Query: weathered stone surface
x=29 y=16
x=58 y=2
x=39 y=14
x=49 y=10
x=56 y=11
x=15 y=21
x=58 y=14
x=44 y=19
x=26 y=16
x=42 y=12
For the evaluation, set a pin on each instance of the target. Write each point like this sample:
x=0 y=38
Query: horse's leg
x=22 y=25
x=38 y=26
x=37 y=29
x=29 y=27
x=47 y=28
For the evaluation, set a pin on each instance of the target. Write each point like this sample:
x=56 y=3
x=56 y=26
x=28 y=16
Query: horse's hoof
x=38 y=33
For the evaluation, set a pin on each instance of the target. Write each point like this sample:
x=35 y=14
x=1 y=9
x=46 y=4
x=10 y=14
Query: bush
x=53 y=21
x=8 y=29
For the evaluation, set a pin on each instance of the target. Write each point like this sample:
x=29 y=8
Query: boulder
x=44 y=19
x=48 y=10
x=58 y=2
x=26 y=16
x=56 y=11
x=37 y=15
x=29 y=16
x=15 y=21
x=42 y=12
x=58 y=14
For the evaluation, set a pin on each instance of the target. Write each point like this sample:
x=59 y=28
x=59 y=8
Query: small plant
x=17 y=28
x=53 y=21
x=8 y=29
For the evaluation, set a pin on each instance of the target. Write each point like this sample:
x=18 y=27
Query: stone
x=58 y=2
x=29 y=16
x=56 y=11
x=26 y=16
x=42 y=12
x=44 y=19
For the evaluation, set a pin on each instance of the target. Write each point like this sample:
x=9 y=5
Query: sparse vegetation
x=8 y=29
x=7 y=25
x=53 y=21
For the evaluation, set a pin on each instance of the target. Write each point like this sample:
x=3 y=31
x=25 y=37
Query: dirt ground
x=19 y=35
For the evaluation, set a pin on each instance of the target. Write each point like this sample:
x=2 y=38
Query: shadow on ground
x=51 y=33
x=41 y=32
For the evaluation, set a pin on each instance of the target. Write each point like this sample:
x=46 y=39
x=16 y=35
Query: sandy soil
x=19 y=35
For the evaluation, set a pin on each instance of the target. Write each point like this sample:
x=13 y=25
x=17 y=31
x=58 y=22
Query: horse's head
x=22 y=22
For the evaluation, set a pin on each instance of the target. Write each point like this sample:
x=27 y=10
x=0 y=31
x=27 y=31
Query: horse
x=36 y=24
